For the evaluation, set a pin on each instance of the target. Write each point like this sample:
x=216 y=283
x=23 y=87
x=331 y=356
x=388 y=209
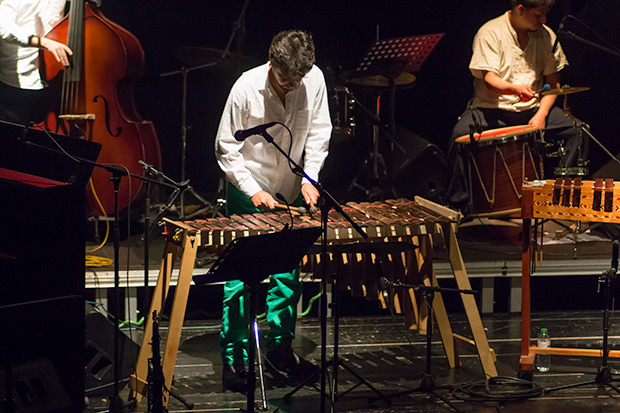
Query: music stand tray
x=391 y=57
x=251 y=260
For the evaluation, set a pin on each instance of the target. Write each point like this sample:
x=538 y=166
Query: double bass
x=93 y=99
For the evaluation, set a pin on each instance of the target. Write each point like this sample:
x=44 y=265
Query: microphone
x=384 y=283
x=148 y=168
x=243 y=134
x=560 y=30
x=288 y=208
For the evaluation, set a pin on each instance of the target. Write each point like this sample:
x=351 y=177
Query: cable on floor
x=502 y=389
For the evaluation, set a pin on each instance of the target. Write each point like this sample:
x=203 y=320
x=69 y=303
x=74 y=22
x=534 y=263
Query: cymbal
x=564 y=90
x=201 y=56
x=379 y=80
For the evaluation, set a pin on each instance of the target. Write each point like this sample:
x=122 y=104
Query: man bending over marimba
x=289 y=89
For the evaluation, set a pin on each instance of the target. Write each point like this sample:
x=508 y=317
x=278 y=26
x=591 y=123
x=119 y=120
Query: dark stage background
x=343 y=31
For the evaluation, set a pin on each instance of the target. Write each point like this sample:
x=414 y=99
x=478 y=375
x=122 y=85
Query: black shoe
x=290 y=365
x=234 y=378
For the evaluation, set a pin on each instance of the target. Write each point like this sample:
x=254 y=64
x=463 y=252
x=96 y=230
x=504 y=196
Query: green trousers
x=281 y=305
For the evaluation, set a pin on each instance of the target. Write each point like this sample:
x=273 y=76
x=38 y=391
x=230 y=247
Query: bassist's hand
x=60 y=51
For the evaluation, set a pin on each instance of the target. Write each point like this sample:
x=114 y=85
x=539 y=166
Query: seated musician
x=290 y=89
x=513 y=57
x=23 y=24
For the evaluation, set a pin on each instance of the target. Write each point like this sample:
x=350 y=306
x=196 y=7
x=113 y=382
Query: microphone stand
x=116 y=403
x=570 y=35
x=427 y=383
x=327 y=202
x=179 y=189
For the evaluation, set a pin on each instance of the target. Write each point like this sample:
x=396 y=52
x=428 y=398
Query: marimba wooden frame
x=538 y=203
x=185 y=239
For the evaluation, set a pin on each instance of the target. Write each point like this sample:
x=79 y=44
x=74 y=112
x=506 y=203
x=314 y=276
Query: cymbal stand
x=183 y=72
x=603 y=376
x=581 y=169
x=375 y=161
x=374 y=165
x=391 y=58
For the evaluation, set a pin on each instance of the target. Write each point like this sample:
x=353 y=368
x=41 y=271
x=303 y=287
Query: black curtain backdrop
x=343 y=31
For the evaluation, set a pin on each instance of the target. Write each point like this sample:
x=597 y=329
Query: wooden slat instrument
x=561 y=199
x=395 y=222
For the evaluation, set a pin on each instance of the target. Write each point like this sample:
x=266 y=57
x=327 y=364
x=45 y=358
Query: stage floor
x=374 y=344
x=392 y=360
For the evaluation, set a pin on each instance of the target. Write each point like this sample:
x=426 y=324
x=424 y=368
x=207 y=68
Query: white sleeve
x=9 y=30
x=228 y=149
x=52 y=14
x=317 y=141
x=485 y=54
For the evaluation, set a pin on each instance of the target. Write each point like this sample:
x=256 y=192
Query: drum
x=498 y=162
x=341 y=108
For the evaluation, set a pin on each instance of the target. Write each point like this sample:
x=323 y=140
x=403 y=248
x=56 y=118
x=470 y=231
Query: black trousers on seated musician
x=559 y=128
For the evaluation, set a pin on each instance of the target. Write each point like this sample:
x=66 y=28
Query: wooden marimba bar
x=392 y=218
x=561 y=199
x=401 y=222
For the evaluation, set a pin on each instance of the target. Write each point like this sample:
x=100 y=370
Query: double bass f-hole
x=106 y=60
x=107 y=117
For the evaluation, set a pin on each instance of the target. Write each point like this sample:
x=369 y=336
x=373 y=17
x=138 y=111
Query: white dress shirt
x=496 y=49
x=20 y=19
x=255 y=164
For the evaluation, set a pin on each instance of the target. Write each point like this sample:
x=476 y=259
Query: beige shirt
x=496 y=49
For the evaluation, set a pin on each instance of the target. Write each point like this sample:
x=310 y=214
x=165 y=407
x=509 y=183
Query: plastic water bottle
x=543 y=361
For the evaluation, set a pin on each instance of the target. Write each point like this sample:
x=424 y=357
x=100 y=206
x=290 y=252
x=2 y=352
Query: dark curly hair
x=530 y=4
x=292 y=52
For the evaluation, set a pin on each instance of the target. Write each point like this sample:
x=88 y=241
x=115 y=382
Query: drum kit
x=389 y=65
x=500 y=160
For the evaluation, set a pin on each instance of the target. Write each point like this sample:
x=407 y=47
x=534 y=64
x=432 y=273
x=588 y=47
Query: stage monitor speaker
x=422 y=170
x=610 y=170
x=99 y=354
x=42 y=356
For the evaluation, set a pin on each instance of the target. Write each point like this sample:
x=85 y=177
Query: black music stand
x=391 y=58
x=251 y=260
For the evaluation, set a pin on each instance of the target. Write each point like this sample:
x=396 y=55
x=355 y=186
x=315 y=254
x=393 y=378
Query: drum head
x=493 y=135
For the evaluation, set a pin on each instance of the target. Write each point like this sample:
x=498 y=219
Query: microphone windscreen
x=383 y=283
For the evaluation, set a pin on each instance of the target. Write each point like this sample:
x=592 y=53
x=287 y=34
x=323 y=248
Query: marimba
x=561 y=199
x=406 y=226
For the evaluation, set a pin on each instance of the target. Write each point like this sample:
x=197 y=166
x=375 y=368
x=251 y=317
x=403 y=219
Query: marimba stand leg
x=138 y=381
x=469 y=303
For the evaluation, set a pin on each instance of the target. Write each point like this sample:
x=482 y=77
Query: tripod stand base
x=603 y=378
x=336 y=363
x=427 y=385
